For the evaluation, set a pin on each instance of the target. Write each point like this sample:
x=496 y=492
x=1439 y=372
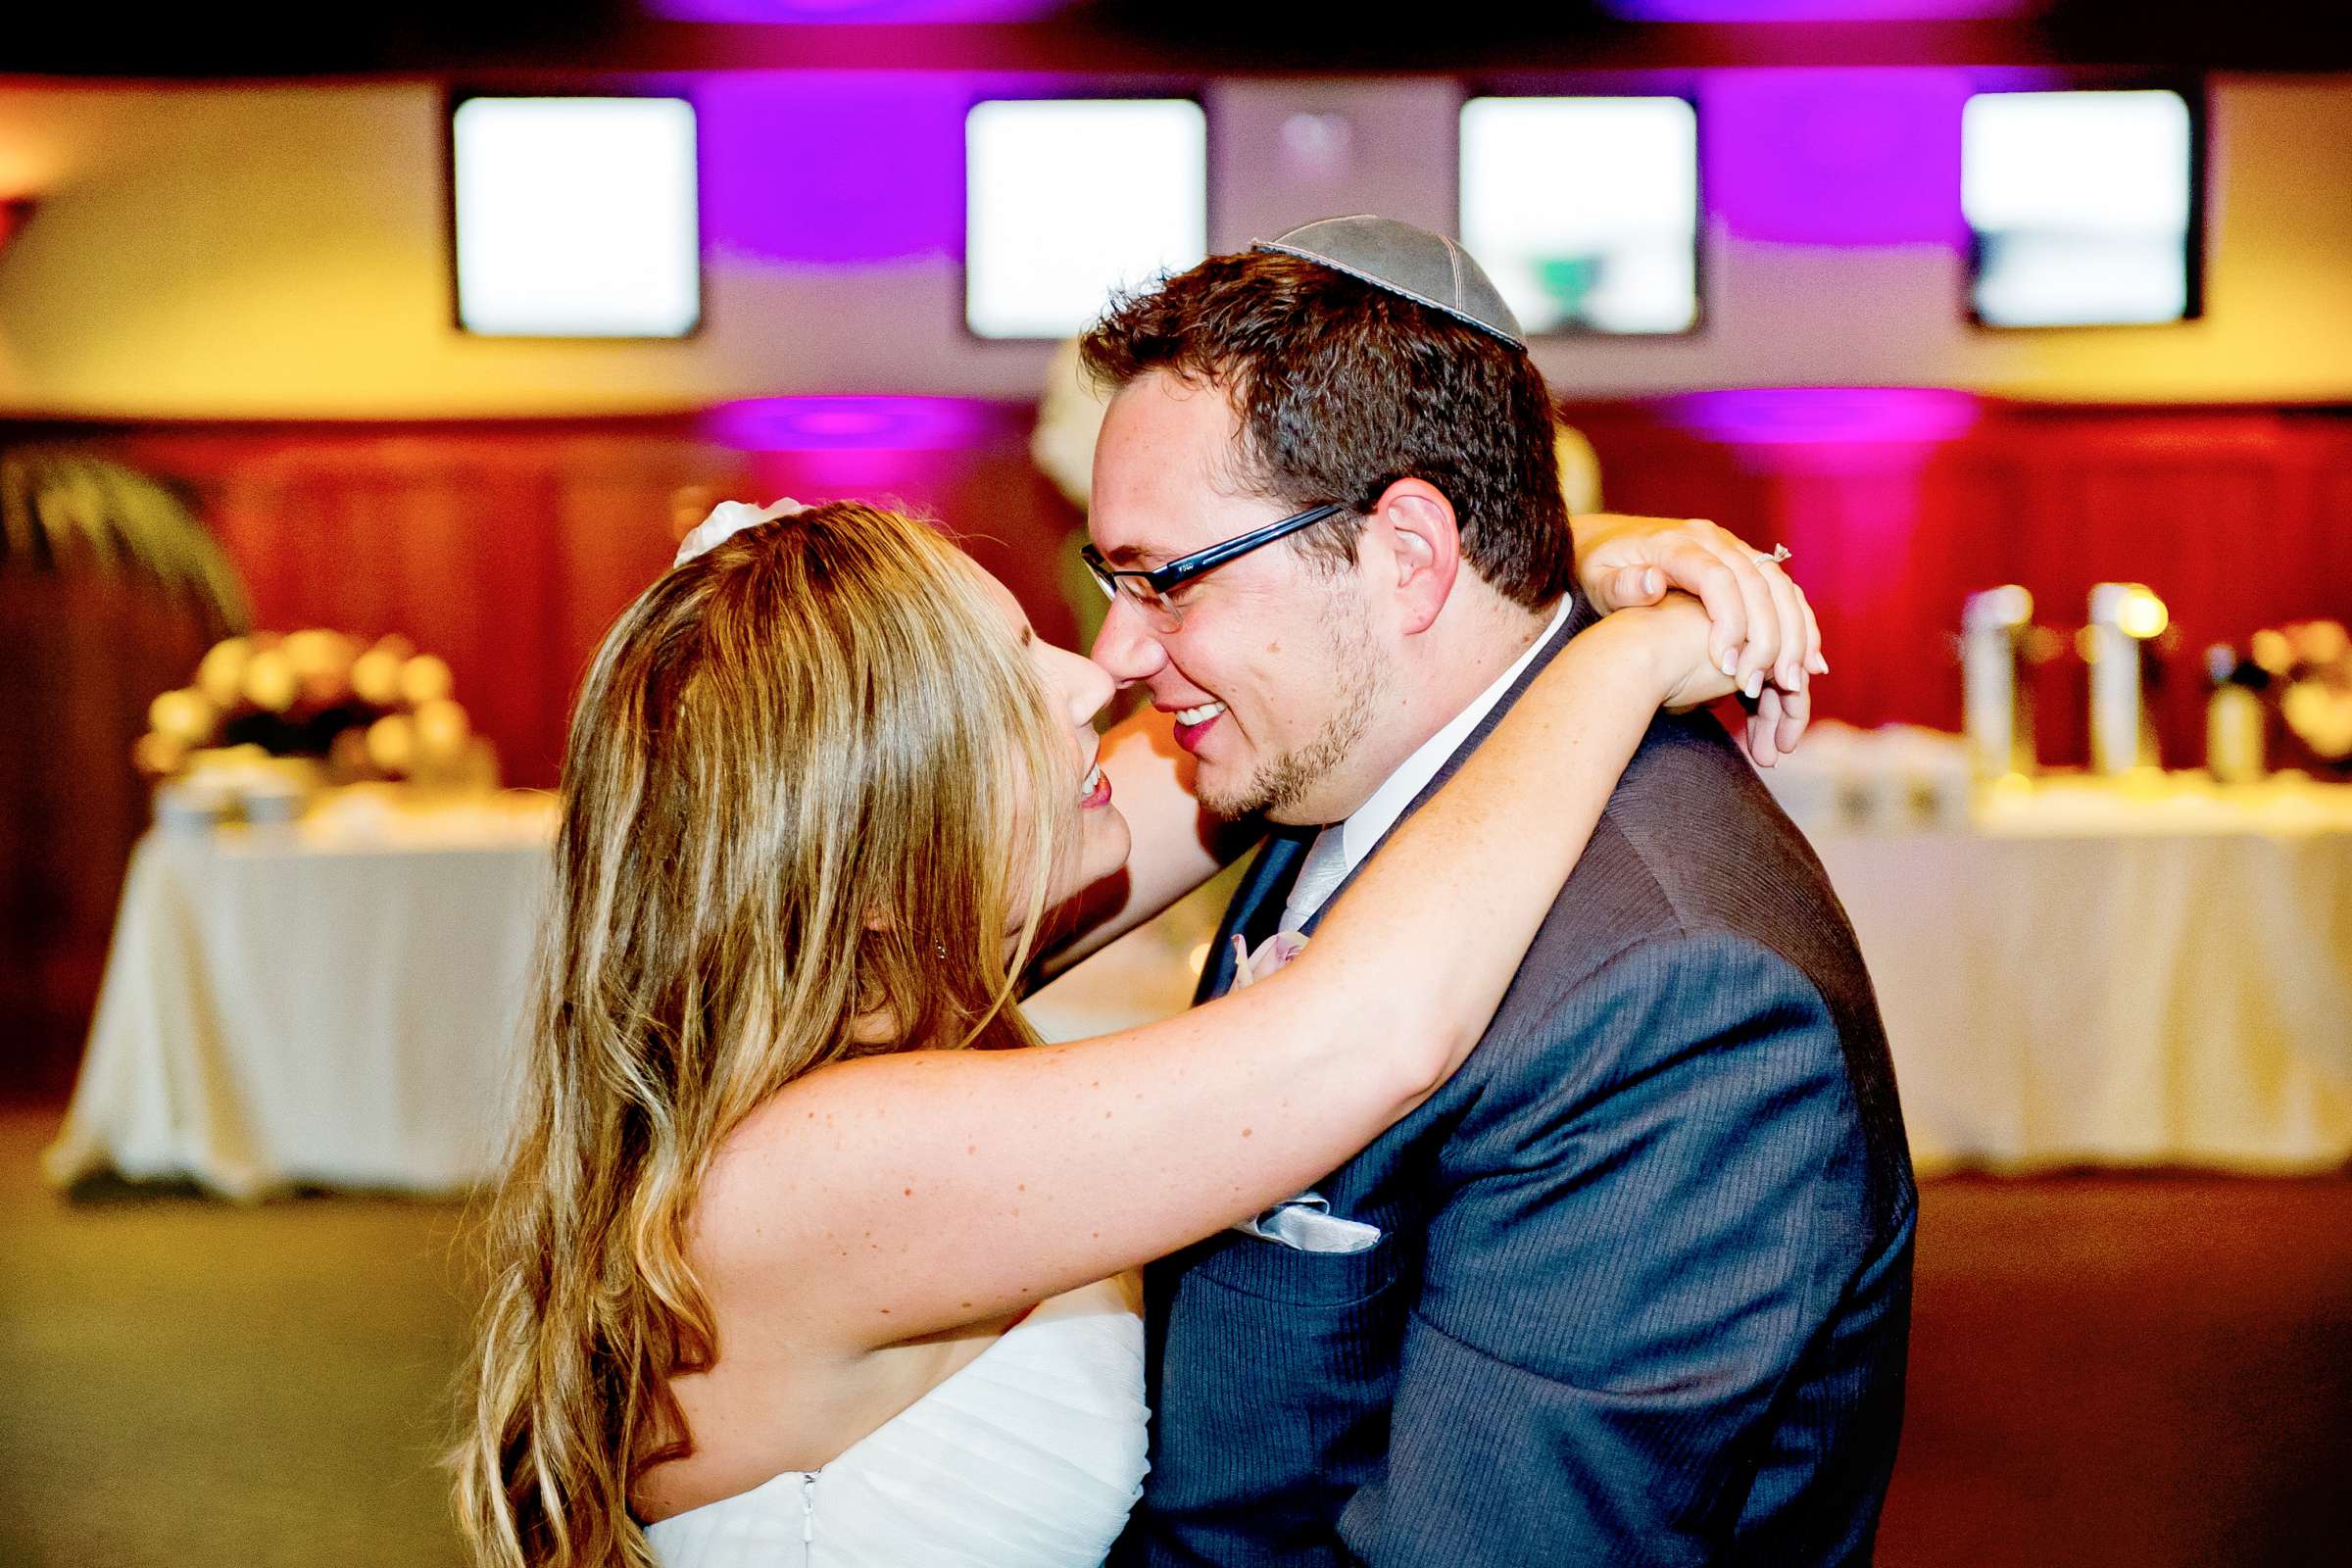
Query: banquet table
x=2117 y=974
x=332 y=1002
x=2079 y=974
x=2074 y=972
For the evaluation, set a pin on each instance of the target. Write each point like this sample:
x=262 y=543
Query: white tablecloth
x=2101 y=975
x=2090 y=974
x=336 y=1003
x=2086 y=977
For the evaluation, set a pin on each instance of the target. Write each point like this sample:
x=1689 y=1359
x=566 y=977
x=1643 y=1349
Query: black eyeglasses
x=1148 y=590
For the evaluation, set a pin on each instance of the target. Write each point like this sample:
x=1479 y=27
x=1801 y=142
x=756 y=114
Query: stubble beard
x=1279 y=783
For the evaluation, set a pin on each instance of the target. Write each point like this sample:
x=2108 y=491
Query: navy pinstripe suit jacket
x=1645 y=1290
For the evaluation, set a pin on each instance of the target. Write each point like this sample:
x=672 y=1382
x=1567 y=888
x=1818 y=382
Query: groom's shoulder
x=1697 y=923
x=1697 y=920
x=1691 y=850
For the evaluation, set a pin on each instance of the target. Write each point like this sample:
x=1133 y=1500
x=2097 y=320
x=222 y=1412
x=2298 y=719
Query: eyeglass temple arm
x=1163 y=578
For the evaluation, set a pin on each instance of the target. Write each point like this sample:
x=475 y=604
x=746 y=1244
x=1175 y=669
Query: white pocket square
x=1306 y=1224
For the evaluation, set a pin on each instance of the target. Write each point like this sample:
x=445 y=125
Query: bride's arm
x=894 y=1196
x=1622 y=561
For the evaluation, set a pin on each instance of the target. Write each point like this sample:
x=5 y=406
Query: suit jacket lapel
x=1581 y=614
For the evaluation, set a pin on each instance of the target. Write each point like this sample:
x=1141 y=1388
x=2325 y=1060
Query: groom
x=1635 y=1286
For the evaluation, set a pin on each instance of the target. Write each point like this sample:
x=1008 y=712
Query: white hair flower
x=728 y=518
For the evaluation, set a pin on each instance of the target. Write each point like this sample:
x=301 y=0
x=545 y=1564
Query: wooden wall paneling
x=612 y=529
x=81 y=653
x=508 y=552
x=507 y=548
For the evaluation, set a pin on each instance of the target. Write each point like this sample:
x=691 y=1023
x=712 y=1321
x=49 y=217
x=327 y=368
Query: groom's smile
x=1192 y=723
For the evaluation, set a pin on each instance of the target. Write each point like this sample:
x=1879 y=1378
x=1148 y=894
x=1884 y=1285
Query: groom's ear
x=1425 y=548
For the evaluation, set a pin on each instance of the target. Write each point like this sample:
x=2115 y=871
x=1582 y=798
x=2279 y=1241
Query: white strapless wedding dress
x=1030 y=1457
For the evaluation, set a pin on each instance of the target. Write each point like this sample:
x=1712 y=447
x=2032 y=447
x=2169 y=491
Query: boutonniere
x=1271 y=955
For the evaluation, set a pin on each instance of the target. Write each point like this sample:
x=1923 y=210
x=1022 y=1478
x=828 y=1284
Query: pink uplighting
x=1788 y=415
x=853 y=423
x=870 y=12
x=1819 y=11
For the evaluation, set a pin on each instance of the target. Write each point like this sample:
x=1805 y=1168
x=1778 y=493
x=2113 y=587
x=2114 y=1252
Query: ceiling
x=570 y=38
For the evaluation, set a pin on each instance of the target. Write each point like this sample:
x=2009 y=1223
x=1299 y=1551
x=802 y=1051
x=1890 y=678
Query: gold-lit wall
x=281 y=251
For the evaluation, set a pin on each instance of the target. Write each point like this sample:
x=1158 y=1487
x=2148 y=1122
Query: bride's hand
x=1673 y=640
x=1762 y=623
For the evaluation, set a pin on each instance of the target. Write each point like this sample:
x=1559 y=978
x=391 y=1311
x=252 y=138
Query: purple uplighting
x=851 y=168
x=1843 y=157
x=854 y=424
x=868 y=13
x=1741 y=11
x=1785 y=415
x=833 y=168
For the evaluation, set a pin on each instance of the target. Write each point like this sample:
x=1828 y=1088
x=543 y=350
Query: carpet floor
x=198 y=1384
x=2144 y=1372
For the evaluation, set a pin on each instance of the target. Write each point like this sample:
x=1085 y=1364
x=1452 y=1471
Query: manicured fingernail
x=1755 y=684
x=1788 y=679
x=1817 y=665
x=1653 y=583
x=1728 y=665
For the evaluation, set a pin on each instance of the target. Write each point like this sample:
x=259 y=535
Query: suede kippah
x=1425 y=268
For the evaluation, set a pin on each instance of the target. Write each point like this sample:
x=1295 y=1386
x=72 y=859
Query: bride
x=796 y=1259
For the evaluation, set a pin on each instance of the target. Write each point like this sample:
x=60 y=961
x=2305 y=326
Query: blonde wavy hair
x=793 y=774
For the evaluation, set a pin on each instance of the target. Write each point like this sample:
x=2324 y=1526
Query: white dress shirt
x=1342 y=846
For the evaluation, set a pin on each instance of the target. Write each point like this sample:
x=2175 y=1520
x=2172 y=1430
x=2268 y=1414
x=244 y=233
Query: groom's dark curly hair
x=1343 y=388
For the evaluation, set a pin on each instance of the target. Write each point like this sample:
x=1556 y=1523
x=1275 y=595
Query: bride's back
x=792 y=774
x=782 y=1399
x=1029 y=1455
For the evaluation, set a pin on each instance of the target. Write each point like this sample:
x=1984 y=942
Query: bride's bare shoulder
x=753 y=1193
x=790 y=1183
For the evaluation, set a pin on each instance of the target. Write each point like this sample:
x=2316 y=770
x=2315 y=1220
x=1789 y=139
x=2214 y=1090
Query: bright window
x=577 y=216
x=2081 y=206
x=1067 y=200
x=1585 y=211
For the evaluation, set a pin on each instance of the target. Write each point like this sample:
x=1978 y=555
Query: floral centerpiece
x=351 y=712
x=2310 y=666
